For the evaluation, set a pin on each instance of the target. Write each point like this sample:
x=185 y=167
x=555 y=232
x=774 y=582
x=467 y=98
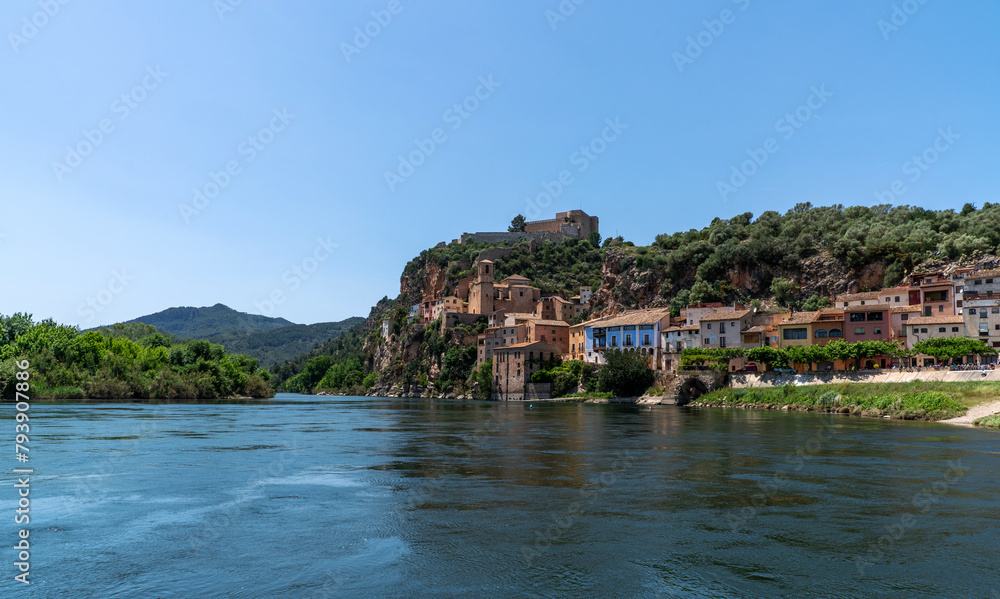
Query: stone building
x=553 y=332
x=513 y=366
x=513 y=294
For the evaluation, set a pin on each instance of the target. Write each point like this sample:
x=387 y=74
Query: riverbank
x=917 y=400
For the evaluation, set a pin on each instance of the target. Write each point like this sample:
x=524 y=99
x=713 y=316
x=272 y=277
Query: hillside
x=202 y=323
x=269 y=340
x=278 y=345
x=808 y=252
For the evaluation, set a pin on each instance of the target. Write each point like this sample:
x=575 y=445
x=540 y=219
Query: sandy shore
x=975 y=412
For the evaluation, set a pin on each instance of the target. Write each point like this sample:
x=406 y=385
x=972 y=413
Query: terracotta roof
x=894 y=290
x=799 y=318
x=936 y=320
x=725 y=315
x=905 y=309
x=983 y=273
x=756 y=329
x=520 y=315
x=637 y=317
x=854 y=297
x=515 y=278
x=550 y=323
x=677 y=329
x=868 y=308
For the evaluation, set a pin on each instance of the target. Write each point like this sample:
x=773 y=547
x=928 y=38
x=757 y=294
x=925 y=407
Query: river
x=319 y=497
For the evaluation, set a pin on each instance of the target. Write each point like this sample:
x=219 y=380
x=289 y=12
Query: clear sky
x=287 y=117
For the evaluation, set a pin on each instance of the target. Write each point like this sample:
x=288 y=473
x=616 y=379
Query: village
x=526 y=329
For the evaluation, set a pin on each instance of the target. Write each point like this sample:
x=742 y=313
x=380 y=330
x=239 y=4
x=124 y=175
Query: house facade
x=867 y=323
x=722 y=329
x=513 y=366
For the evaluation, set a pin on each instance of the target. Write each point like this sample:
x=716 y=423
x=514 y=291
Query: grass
x=588 y=395
x=988 y=421
x=654 y=391
x=909 y=401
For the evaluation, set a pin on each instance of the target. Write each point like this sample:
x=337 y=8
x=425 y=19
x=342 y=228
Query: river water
x=319 y=497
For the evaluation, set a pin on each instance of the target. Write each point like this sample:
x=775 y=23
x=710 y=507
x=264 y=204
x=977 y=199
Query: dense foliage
x=556 y=268
x=626 y=373
x=902 y=236
x=806 y=355
x=567 y=377
x=125 y=361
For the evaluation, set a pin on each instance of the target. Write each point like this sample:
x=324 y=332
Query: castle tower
x=481 y=292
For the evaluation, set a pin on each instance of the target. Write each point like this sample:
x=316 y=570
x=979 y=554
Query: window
x=972 y=311
x=983 y=314
x=995 y=310
x=821 y=333
x=791 y=334
x=984 y=329
x=628 y=340
x=645 y=339
x=834 y=333
x=922 y=330
x=977 y=282
x=877 y=331
x=722 y=342
x=940 y=308
x=722 y=327
x=873 y=316
x=857 y=317
x=859 y=330
x=955 y=329
x=897 y=299
x=942 y=330
x=904 y=317
x=996 y=344
x=710 y=326
x=988 y=281
x=862 y=302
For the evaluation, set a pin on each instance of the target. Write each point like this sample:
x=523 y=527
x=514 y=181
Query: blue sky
x=291 y=121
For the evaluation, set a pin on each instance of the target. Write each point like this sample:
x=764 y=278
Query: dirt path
x=975 y=412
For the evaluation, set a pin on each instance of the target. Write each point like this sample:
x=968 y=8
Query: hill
x=269 y=340
x=202 y=323
x=278 y=345
x=807 y=254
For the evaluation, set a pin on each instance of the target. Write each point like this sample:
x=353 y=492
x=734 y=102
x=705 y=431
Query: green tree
x=815 y=302
x=594 y=239
x=625 y=373
x=517 y=224
x=782 y=290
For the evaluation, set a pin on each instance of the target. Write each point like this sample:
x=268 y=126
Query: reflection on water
x=362 y=497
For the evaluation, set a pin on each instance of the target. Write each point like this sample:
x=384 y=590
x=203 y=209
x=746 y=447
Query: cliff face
x=429 y=360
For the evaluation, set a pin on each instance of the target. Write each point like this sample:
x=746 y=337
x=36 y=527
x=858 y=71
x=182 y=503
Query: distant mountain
x=203 y=323
x=282 y=344
x=270 y=340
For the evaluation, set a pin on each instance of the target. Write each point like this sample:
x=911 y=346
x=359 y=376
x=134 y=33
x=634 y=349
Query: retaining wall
x=742 y=380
